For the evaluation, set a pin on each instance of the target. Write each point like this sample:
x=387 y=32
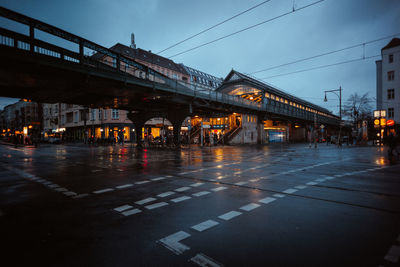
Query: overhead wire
x=320 y=67
x=327 y=53
x=247 y=28
x=214 y=26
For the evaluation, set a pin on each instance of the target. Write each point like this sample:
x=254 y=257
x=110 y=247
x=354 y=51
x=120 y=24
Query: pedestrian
x=392 y=144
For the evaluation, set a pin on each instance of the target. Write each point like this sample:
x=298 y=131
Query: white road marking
x=61 y=189
x=290 y=191
x=143 y=182
x=329 y=178
x=240 y=183
x=393 y=254
x=179 y=199
x=311 y=183
x=146 y=200
x=320 y=180
x=81 y=196
x=158 y=179
x=196 y=184
x=172 y=242
x=229 y=215
x=278 y=195
x=341 y=175
x=131 y=212
x=267 y=200
x=53 y=185
x=202 y=193
x=204 y=225
x=169 y=176
x=250 y=207
x=254 y=180
x=181 y=189
x=69 y=193
x=103 y=191
x=156 y=205
x=166 y=194
x=183 y=173
x=124 y=186
x=300 y=187
x=47 y=183
x=122 y=208
x=219 y=188
x=204 y=261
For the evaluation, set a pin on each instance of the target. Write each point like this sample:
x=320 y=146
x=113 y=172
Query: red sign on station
x=390 y=122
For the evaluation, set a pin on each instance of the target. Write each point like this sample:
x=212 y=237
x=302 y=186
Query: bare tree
x=358 y=108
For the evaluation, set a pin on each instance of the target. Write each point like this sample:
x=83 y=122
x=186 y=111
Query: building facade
x=388 y=81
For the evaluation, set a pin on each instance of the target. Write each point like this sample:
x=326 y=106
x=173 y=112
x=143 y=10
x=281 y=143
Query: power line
x=327 y=53
x=323 y=66
x=214 y=26
x=247 y=28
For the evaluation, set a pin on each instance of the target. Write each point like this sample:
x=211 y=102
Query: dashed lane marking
x=229 y=215
x=61 y=189
x=172 y=242
x=146 y=200
x=267 y=200
x=240 y=183
x=131 y=212
x=143 y=182
x=166 y=194
x=81 y=196
x=219 y=188
x=179 y=199
x=250 y=207
x=70 y=194
x=204 y=225
x=103 y=191
x=122 y=208
x=158 y=178
x=311 y=183
x=300 y=187
x=320 y=180
x=156 y=205
x=393 y=254
x=290 y=191
x=196 y=184
x=278 y=195
x=124 y=186
x=204 y=261
x=182 y=189
x=202 y=193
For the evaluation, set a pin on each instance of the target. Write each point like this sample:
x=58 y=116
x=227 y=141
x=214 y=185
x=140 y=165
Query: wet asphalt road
x=232 y=206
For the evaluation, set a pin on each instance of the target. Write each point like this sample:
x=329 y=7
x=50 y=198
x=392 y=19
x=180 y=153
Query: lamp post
x=340 y=106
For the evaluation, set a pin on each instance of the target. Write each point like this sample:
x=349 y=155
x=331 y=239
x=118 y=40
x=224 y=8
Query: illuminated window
x=267 y=95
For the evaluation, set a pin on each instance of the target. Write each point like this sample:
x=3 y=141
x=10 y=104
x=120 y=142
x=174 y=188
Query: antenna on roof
x=133 y=45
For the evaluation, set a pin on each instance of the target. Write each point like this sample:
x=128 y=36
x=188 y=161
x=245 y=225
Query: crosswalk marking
x=202 y=193
x=146 y=200
x=179 y=199
x=249 y=207
x=156 y=205
x=166 y=194
x=204 y=225
x=229 y=215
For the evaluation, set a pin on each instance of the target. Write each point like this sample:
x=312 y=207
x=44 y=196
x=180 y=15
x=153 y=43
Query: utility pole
x=340 y=107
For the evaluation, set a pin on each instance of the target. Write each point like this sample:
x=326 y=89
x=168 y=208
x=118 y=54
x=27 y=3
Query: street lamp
x=340 y=106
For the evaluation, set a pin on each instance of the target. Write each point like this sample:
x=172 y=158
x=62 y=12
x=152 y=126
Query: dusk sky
x=323 y=27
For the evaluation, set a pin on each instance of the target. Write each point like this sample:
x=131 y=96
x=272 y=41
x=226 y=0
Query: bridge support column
x=176 y=117
x=139 y=122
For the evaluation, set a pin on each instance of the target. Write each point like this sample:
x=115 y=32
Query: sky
x=323 y=27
